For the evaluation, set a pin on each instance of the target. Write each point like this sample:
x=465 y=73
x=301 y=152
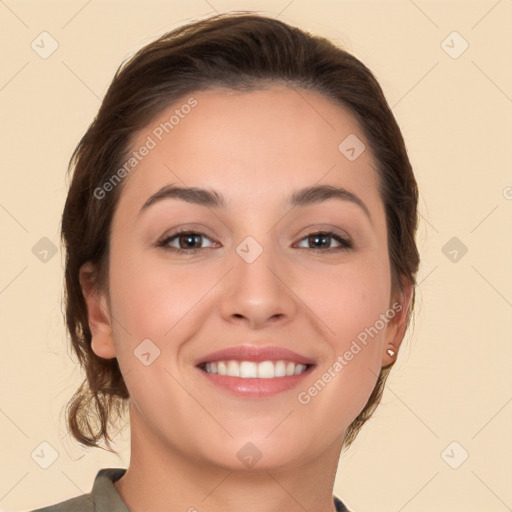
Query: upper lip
x=255 y=354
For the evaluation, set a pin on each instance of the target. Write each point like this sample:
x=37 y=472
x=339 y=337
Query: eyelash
x=345 y=244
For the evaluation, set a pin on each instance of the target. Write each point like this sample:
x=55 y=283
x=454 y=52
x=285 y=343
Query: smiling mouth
x=255 y=370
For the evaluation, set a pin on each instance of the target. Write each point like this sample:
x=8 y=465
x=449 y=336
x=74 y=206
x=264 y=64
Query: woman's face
x=259 y=279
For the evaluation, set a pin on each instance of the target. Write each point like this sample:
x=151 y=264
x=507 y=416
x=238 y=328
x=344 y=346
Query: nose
x=259 y=293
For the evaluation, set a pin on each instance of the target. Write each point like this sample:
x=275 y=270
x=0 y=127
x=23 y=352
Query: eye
x=188 y=242
x=322 y=240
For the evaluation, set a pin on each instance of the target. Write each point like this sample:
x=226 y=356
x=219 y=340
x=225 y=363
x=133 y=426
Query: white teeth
x=233 y=369
x=252 y=370
x=248 y=369
x=266 y=370
x=280 y=369
x=221 y=368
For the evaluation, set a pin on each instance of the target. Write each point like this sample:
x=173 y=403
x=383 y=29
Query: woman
x=240 y=271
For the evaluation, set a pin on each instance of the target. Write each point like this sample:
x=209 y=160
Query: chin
x=257 y=452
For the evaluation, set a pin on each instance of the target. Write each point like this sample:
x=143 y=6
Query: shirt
x=105 y=498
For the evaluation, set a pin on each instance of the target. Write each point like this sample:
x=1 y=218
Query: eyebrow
x=213 y=199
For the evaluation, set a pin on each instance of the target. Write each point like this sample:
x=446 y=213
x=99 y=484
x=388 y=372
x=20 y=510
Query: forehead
x=251 y=146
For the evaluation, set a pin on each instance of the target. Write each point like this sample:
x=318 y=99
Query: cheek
x=148 y=297
x=348 y=297
x=350 y=301
x=148 y=301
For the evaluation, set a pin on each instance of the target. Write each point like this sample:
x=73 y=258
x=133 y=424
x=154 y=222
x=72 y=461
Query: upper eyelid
x=310 y=229
x=184 y=232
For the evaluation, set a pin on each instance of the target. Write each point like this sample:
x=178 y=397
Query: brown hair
x=237 y=51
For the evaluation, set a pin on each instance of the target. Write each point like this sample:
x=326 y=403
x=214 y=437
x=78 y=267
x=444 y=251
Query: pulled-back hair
x=237 y=51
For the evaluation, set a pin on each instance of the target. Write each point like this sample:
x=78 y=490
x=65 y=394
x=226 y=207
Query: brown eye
x=322 y=241
x=188 y=242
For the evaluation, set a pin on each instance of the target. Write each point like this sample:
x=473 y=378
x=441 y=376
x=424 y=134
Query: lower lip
x=256 y=388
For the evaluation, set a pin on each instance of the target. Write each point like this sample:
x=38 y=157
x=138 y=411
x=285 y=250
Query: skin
x=254 y=148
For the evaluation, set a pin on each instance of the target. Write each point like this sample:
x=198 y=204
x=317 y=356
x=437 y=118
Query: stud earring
x=390 y=351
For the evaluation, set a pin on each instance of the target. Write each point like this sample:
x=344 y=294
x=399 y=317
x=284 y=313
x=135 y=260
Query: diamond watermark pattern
x=454 y=45
x=44 y=45
x=44 y=250
x=351 y=147
x=454 y=455
x=454 y=249
x=44 y=455
x=249 y=454
x=146 y=352
x=249 y=249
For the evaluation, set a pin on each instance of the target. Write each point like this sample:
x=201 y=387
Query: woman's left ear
x=395 y=330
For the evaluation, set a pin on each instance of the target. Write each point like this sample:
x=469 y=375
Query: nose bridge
x=256 y=288
x=257 y=263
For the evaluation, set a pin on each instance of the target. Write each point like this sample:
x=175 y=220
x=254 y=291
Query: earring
x=390 y=351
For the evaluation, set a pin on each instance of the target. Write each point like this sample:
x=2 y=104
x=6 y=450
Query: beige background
x=452 y=381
